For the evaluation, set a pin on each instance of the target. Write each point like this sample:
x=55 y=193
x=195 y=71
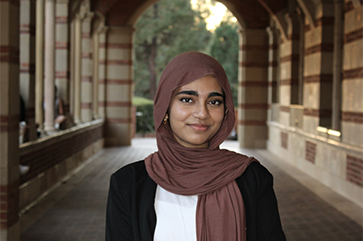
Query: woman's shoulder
x=137 y=165
x=256 y=175
x=256 y=168
x=133 y=178
x=131 y=171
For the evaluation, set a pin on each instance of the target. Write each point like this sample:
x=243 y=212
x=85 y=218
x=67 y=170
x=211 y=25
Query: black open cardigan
x=131 y=215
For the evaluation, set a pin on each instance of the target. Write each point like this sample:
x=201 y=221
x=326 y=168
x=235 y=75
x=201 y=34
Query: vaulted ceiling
x=250 y=13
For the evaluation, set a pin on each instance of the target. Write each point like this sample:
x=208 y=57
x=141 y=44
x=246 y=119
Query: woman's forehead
x=205 y=84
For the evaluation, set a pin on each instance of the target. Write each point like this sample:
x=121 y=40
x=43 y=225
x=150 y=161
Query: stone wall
x=52 y=158
x=352 y=84
x=323 y=136
x=335 y=164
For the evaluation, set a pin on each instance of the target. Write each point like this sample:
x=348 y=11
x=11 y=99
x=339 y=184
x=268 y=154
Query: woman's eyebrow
x=195 y=93
x=187 y=92
x=212 y=94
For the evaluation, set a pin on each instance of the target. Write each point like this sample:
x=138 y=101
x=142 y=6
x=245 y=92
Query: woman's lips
x=199 y=127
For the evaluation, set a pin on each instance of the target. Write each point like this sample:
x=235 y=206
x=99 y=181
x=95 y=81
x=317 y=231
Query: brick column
x=102 y=73
x=39 y=66
x=27 y=63
x=62 y=52
x=318 y=77
x=253 y=85
x=338 y=64
x=9 y=121
x=119 y=86
x=95 y=74
x=273 y=74
x=289 y=65
x=352 y=87
x=49 y=65
x=77 y=69
x=86 y=70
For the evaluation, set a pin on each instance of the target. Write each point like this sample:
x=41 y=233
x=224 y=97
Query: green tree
x=224 y=48
x=165 y=30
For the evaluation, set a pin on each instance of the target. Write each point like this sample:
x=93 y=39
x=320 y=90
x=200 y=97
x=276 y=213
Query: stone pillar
x=61 y=53
x=273 y=74
x=102 y=73
x=95 y=74
x=318 y=71
x=71 y=67
x=86 y=70
x=338 y=64
x=119 y=86
x=39 y=66
x=77 y=69
x=292 y=60
x=352 y=84
x=27 y=64
x=289 y=68
x=253 y=85
x=9 y=121
x=49 y=65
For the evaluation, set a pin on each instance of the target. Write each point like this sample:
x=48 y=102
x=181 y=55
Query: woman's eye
x=186 y=100
x=215 y=102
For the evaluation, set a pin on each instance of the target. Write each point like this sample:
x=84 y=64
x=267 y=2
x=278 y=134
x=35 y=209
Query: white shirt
x=175 y=216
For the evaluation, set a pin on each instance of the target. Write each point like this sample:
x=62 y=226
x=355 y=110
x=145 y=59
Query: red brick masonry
x=310 y=151
x=355 y=170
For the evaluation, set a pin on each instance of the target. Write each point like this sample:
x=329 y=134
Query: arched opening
x=169 y=28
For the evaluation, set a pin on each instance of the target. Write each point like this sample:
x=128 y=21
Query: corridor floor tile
x=76 y=209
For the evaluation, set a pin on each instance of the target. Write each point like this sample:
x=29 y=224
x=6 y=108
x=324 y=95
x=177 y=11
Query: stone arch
x=250 y=14
x=252 y=17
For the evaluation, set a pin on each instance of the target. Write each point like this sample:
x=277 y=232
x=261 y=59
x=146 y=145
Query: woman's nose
x=201 y=112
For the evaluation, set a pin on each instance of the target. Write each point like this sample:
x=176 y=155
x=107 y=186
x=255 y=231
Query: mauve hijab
x=209 y=172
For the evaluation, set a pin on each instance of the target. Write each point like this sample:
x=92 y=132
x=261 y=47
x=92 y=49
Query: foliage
x=139 y=101
x=224 y=48
x=165 y=30
x=144 y=119
x=169 y=28
x=144 y=114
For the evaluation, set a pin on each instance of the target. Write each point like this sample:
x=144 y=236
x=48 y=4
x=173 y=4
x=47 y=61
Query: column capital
x=272 y=31
x=88 y=16
x=62 y=1
x=102 y=29
x=253 y=33
x=251 y=30
x=123 y=29
x=78 y=17
x=99 y=25
x=84 y=8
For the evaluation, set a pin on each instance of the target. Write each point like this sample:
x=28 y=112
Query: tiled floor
x=75 y=210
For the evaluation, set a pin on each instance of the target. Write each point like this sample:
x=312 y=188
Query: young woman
x=190 y=189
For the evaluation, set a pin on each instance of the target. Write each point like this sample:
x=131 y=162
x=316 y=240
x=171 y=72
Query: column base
x=77 y=121
x=11 y=233
x=49 y=129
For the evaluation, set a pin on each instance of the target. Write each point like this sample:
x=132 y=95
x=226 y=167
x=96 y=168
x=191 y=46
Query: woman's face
x=196 y=112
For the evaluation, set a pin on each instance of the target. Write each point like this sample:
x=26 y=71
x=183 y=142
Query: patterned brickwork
x=310 y=151
x=252 y=122
x=317 y=113
x=355 y=170
x=353 y=36
x=355 y=117
x=353 y=74
x=285 y=109
x=9 y=123
x=9 y=205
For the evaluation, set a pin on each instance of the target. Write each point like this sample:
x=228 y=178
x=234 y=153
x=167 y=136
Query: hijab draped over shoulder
x=209 y=172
